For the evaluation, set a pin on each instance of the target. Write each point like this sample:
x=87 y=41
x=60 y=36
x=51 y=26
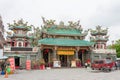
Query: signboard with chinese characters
x=65 y=52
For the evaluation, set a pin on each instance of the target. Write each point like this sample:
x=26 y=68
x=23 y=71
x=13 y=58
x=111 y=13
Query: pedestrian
x=119 y=65
x=3 y=66
x=116 y=65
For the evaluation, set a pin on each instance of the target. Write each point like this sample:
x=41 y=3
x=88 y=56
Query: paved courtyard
x=63 y=74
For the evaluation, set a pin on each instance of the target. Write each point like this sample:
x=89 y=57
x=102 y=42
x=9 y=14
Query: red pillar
x=15 y=43
x=99 y=46
x=24 y=43
x=11 y=43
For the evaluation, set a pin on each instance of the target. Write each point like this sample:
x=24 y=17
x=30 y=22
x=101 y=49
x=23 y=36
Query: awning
x=64 y=52
x=3 y=57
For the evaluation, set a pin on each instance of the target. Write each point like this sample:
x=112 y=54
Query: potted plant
x=78 y=62
x=34 y=64
x=42 y=64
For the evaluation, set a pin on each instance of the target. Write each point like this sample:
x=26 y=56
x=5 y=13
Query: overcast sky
x=90 y=13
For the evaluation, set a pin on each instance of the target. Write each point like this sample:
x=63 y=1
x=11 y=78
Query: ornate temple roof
x=73 y=29
x=99 y=31
x=19 y=25
x=99 y=35
x=64 y=42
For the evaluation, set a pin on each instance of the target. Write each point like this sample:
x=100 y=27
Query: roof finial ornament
x=75 y=24
x=79 y=26
x=48 y=23
x=15 y=23
x=71 y=24
x=61 y=24
x=98 y=27
x=44 y=20
x=20 y=22
x=78 y=23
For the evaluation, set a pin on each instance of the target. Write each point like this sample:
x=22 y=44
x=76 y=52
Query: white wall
x=1 y=52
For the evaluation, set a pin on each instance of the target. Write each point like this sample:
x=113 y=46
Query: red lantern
x=83 y=51
x=46 y=51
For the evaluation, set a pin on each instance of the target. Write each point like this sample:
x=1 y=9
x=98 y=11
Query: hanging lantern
x=46 y=51
x=83 y=51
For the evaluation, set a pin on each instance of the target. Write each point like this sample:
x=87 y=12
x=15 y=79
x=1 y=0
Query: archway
x=83 y=56
x=17 y=62
x=63 y=60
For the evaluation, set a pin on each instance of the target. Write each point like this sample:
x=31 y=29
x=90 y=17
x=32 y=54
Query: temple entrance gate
x=66 y=60
x=63 y=60
x=83 y=56
x=17 y=61
x=47 y=56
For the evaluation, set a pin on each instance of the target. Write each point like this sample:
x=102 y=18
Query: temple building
x=64 y=43
x=19 y=43
x=100 y=51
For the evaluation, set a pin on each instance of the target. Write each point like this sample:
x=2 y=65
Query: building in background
x=2 y=40
x=19 y=43
x=100 y=51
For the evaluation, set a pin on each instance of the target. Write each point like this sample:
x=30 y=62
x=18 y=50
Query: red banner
x=28 y=64
x=12 y=63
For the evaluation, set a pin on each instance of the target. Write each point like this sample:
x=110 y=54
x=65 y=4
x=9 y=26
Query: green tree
x=116 y=46
x=37 y=36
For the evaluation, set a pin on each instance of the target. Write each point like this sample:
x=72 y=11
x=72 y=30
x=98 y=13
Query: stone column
x=83 y=58
x=76 y=54
x=28 y=57
x=54 y=53
x=39 y=56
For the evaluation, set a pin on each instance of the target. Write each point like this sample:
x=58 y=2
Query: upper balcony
x=17 y=35
x=104 y=51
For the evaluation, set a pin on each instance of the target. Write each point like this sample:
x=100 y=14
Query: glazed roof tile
x=64 y=42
